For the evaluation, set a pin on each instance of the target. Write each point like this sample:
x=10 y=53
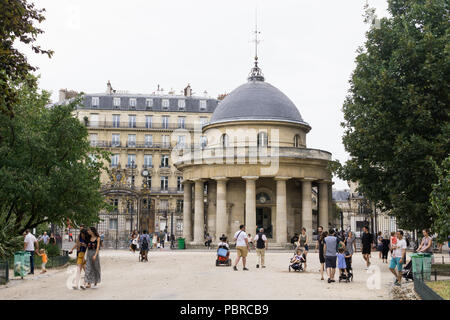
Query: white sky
x=308 y=50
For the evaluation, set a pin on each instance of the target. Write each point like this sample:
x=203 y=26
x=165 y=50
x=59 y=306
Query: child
x=393 y=240
x=341 y=262
x=44 y=260
x=298 y=258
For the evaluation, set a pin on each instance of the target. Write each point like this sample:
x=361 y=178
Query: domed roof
x=256 y=100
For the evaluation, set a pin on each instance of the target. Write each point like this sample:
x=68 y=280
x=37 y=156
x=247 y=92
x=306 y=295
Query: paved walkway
x=192 y=274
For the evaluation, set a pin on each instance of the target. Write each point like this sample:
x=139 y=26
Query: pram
x=223 y=256
x=407 y=271
x=349 y=276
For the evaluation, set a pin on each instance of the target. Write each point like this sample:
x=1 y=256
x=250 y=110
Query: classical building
x=141 y=131
x=255 y=169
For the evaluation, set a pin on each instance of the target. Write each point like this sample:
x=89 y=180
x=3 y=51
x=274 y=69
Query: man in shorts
x=241 y=247
x=330 y=249
x=399 y=251
x=367 y=242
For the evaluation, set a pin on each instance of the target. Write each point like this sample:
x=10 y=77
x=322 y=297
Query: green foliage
x=51 y=249
x=398 y=109
x=440 y=201
x=17 y=19
x=10 y=242
x=47 y=174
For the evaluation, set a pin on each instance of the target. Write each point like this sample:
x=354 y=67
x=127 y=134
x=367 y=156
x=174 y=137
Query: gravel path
x=193 y=275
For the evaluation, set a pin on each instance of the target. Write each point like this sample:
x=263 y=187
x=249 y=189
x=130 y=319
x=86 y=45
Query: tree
x=397 y=111
x=440 y=201
x=17 y=19
x=49 y=173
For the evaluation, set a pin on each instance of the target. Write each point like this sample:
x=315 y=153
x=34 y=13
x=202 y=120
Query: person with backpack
x=144 y=244
x=261 y=246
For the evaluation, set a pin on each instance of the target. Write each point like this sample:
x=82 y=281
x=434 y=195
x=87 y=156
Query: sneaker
x=235 y=268
x=329 y=280
x=257 y=266
x=245 y=269
x=332 y=280
x=397 y=284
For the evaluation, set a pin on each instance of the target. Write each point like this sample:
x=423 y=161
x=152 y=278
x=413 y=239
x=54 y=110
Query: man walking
x=30 y=245
x=241 y=247
x=44 y=238
x=367 y=242
x=261 y=246
x=330 y=249
x=399 y=250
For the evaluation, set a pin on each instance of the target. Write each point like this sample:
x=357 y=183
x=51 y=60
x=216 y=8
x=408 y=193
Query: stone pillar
x=221 y=207
x=199 y=213
x=323 y=204
x=187 y=211
x=250 y=204
x=211 y=221
x=307 y=217
x=281 y=219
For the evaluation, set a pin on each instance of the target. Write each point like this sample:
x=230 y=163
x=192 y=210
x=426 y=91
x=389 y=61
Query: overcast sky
x=308 y=50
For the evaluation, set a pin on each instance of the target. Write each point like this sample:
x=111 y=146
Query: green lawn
x=442 y=288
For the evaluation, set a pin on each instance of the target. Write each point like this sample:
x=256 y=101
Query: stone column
x=307 y=217
x=323 y=204
x=199 y=213
x=211 y=221
x=187 y=211
x=281 y=219
x=250 y=204
x=221 y=207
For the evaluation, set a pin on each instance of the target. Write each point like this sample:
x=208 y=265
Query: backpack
x=144 y=245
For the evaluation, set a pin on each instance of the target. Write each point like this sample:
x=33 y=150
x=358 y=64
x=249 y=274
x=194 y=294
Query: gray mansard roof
x=192 y=104
x=256 y=100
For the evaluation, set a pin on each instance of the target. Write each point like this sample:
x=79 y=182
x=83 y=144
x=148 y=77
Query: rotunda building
x=253 y=167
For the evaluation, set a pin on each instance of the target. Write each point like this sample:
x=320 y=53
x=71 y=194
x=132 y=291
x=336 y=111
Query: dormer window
x=165 y=103
x=181 y=104
x=116 y=102
x=133 y=102
x=149 y=103
x=95 y=101
x=202 y=105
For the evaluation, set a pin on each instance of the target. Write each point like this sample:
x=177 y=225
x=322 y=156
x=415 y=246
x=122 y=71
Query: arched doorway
x=264 y=213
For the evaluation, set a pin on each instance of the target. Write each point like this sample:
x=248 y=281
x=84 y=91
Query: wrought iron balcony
x=141 y=125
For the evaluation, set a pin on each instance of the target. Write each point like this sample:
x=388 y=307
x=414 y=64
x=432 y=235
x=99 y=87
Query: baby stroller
x=297 y=265
x=346 y=277
x=407 y=272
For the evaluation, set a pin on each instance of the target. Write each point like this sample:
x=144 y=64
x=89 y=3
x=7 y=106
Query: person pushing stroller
x=297 y=260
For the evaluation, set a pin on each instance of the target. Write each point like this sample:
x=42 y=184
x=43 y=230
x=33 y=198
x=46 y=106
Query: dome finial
x=256 y=73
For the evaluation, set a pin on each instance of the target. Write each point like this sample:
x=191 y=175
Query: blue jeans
x=31 y=261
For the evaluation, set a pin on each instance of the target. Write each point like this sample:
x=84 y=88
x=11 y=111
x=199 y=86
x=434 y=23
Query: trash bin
x=181 y=243
x=21 y=263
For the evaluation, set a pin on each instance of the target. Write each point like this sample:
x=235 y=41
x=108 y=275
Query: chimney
x=109 y=89
x=62 y=95
x=188 y=91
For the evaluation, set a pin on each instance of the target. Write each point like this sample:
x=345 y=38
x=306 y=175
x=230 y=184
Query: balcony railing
x=129 y=166
x=128 y=144
x=142 y=125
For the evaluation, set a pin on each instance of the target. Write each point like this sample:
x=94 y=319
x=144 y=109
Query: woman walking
x=93 y=270
x=379 y=244
x=385 y=248
x=320 y=243
x=350 y=245
x=81 y=246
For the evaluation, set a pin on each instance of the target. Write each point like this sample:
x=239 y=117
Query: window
x=132 y=121
x=203 y=120
x=95 y=101
x=115 y=141
x=202 y=105
x=148 y=121
x=162 y=224
x=148 y=160
x=203 y=141
x=181 y=122
x=297 y=141
x=262 y=139
x=165 y=141
x=181 y=141
x=94 y=119
x=224 y=140
x=115 y=204
x=164 y=161
x=114 y=160
x=148 y=181
x=149 y=103
x=181 y=104
x=131 y=161
x=179 y=183
x=164 y=183
x=116 y=102
x=148 y=140
x=116 y=120
x=165 y=103
x=93 y=139
x=131 y=140
x=132 y=102
x=165 y=122
x=113 y=224
x=179 y=205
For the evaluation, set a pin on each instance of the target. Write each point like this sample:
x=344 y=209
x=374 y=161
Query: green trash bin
x=21 y=263
x=181 y=243
x=421 y=263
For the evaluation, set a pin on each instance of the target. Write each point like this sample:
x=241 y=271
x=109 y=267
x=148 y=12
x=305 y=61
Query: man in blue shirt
x=330 y=249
